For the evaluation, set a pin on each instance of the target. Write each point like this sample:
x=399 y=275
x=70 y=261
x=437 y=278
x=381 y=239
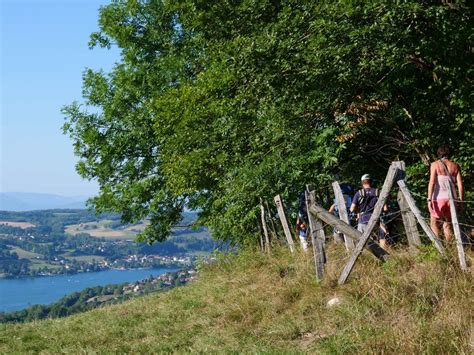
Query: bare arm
x=460 y=185
x=355 y=202
x=431 y=184
x=353 y=208
x=331 y=209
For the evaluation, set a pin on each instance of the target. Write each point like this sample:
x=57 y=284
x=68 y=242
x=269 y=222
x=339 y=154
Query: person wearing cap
x=364 y=203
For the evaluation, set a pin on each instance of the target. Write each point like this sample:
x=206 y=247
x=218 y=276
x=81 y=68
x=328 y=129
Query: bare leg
x=384 y=244
x=448 y=234
x=435 y=226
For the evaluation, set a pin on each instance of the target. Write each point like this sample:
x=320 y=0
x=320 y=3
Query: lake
x=17 y=294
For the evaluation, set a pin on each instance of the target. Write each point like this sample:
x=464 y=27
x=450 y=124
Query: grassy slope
x=256 y=303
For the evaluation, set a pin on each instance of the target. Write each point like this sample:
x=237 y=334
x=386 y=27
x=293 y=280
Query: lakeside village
x=67 y=266
x=163 y=281
x=27 y=254
x=150 y=284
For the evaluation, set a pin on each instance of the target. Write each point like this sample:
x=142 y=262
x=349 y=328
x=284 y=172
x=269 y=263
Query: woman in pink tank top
x=442 y=173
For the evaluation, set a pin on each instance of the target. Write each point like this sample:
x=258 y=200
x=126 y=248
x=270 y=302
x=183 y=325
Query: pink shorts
x=440 y=209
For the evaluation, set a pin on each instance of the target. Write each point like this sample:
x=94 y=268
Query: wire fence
x=388 y=225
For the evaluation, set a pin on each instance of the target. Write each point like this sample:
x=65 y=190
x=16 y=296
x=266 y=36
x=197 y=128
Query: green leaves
x=215 y=105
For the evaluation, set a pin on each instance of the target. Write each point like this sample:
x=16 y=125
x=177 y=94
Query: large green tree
x=217 y=103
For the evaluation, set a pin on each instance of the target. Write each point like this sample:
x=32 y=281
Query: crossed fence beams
x=410 y=215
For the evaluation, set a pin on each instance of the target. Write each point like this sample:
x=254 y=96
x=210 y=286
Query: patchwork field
x=39 y=264
x=22 y=225
x=106 y=229
x=24 y=254
x=87 y=258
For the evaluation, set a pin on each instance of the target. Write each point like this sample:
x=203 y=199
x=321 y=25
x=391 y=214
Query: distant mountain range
x=28 y=201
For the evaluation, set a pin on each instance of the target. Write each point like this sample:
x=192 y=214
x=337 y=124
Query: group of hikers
x=443 y=172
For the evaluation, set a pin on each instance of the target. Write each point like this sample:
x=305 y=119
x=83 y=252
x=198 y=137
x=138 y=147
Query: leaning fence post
x=284 y=222
x=316 y=229
x=260 y=235
x=457 y=231
x=264 y=226
x=408 y=218
x=347 y=229
x=374 y=218
x=409 y=222
x=426 y=228
x=341 y=206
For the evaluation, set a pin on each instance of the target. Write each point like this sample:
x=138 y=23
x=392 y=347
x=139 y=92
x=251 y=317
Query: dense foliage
x=215 y=104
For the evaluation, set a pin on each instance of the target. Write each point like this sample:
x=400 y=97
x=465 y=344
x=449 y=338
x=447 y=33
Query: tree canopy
x=217 y=103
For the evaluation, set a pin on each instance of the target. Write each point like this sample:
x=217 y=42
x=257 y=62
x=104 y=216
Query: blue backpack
x=347 y=192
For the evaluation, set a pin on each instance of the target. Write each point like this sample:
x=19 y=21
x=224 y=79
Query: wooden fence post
x=284 y=222
x=264 y=226
x=408 y=218
x=316 y=229
x=426 y=228
x=260 y=235
x=457 y=230
x=354 y=234
x=409 y=222
x=374 y=218
x=341 y=206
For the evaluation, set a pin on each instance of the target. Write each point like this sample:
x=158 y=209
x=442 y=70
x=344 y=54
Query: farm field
x=24 y=254
x=111 y=230
x=39 y=264
x=37 y=261
x=22 y=225
x=86 y=258
x=105 y=229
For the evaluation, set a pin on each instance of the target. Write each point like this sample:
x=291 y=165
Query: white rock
x=334 y=302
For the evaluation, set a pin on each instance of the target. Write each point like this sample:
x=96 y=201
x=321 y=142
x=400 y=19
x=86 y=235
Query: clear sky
x=44 y=51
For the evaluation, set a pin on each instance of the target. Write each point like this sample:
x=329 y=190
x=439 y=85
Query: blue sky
x=43 y=54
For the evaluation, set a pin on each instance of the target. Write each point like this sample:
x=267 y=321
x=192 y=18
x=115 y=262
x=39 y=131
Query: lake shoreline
x=26 y=277
x=21 y=293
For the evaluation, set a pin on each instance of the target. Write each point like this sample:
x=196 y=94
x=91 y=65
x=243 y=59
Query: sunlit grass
x=257 y=303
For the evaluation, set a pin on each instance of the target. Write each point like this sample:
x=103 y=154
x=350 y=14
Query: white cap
x=365 y=177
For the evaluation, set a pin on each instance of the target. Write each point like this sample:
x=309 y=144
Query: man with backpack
x=364 y=203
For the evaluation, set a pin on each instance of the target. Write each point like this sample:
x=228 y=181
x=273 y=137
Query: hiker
x=443 y=172
x=363 y=203
x=301 y=222
x=347 y=192
x=302 y=234
x=390 y=219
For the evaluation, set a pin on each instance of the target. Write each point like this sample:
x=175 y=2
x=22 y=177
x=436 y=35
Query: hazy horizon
x=46 y=193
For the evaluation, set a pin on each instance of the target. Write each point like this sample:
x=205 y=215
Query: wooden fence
x=354 y=240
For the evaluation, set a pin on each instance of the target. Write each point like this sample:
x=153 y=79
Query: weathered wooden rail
x=355 y=241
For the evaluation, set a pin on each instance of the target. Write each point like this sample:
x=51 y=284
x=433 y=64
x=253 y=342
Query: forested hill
x=215 y=104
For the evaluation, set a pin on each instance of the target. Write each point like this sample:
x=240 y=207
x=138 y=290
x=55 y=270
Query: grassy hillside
x=253 y=303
